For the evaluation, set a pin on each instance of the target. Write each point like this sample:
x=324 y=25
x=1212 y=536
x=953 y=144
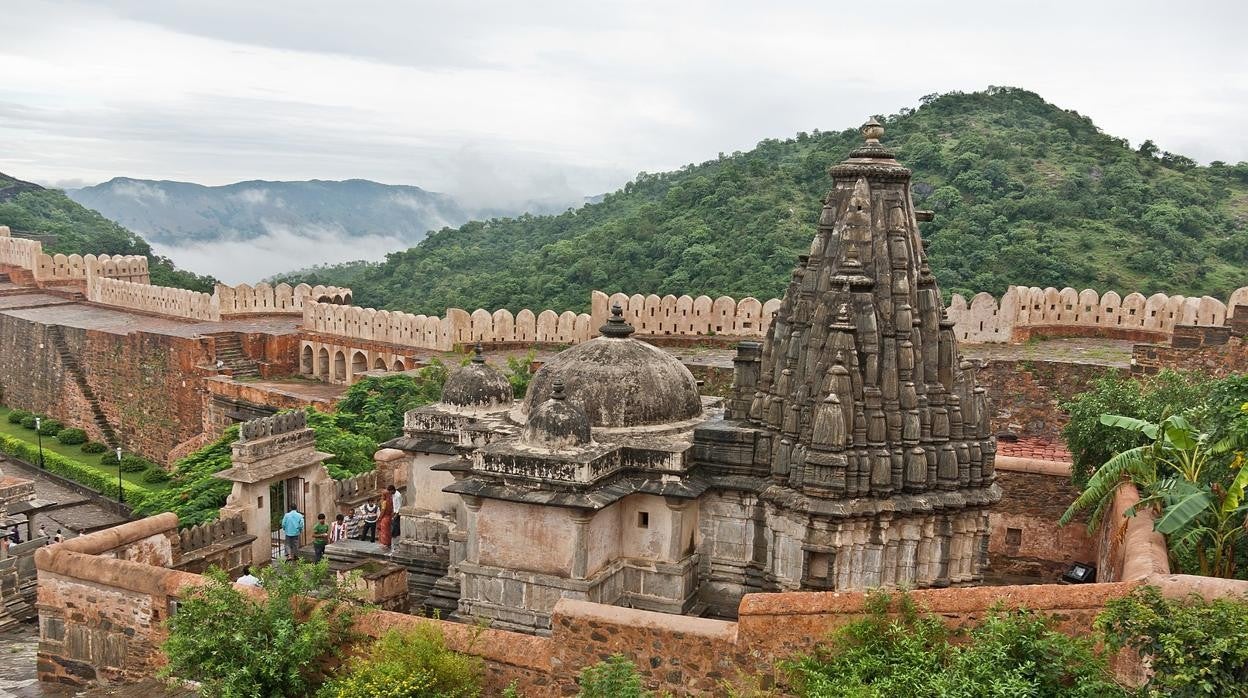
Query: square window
x=643 y=519
x=260 y=502
x=1013 y=536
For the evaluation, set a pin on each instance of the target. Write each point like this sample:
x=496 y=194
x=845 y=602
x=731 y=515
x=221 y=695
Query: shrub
x=29 y=421
x=1092 y=443
x=520 y=373
x=18 y=416
x=93 y=447
x=81 y=473
x=412 y=664
x=71 y=436
x=1195 y=647
x=273 y=646
x=614 y=677
x=1011 y=652
x=155 y=475
x=50 y=427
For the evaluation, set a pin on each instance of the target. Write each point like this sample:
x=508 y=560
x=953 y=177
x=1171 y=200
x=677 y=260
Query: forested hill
x=29 y=209
x=1024 y=193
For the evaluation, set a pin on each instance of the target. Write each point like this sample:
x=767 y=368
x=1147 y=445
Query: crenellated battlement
x=1023 y=311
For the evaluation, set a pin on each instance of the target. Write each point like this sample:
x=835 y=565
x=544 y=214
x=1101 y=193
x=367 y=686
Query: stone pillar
x=472 y=551
x=745 y=379
x=676 y=536
x=580 y=546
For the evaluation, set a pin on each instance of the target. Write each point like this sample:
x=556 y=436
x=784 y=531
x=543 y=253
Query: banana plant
x=1201 y=518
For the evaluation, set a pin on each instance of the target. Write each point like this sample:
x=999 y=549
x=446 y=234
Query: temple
x=854 y=452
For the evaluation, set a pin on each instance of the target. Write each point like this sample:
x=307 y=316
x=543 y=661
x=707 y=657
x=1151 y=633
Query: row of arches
x=344 y=365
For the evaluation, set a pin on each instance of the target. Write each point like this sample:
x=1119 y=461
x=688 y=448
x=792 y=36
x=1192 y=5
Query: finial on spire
x=616 y=327
x=873 y=131
x=557 y=389
x=477 y=352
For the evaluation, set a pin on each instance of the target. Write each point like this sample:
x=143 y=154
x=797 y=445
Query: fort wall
x=1025 y=312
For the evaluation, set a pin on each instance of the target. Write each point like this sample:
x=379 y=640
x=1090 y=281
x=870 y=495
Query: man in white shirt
x=248 y=579
x=396 y=498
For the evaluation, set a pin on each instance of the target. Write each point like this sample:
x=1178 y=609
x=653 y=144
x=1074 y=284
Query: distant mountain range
x=178 y=213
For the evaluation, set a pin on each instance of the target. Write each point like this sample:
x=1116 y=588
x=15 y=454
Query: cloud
x=525 y=101
x=140 y=191
x=255 y=197
x=282 y=248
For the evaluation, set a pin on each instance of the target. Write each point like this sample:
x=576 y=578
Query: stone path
x=73 y=512
x=18 y=647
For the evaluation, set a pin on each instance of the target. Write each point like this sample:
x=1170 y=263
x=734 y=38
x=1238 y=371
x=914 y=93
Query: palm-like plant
x=1206 y=519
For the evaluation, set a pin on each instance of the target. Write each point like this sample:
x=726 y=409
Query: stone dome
x=618 y=381
x=477 y=385
x=556 y=423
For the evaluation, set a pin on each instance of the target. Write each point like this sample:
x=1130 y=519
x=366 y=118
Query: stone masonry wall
x=1024 y=538
x=1024 y=394
x=146 y=384
x=1218 y=360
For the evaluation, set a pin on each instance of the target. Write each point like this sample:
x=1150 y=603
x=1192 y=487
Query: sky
x=504 y=101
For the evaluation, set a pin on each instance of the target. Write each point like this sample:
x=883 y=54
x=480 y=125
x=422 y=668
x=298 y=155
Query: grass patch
x=74 y=453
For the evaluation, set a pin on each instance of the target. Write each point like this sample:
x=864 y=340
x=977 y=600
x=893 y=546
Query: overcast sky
x=509 y=99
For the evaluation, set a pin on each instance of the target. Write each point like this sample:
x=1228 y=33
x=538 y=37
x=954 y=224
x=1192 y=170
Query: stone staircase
x=70 y=362
x=229 y=351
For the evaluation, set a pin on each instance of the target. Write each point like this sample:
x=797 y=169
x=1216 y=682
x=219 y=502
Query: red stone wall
x=1024 y=538
x=1024 y=395
x=147 y=385
x=1022 y=334
x=1218 y=360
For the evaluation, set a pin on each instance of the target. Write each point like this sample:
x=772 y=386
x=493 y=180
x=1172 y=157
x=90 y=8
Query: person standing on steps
x=396 y=500
x=320 y=537
x=338 y=529
x=292 y=528
x=371 y=513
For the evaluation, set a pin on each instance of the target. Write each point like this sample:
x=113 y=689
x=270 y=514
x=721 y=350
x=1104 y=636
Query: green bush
x=18 y=416
x=899 y=651
x=1092 y=443
x=412 y=664
x=614 y=677
x=130 y=463
x=1194 y=647
x=155 y=475
x=71 y=436
x=274 y=646
x=81 y=473
x=93 y=447
x=50 y=427
x=29 y=421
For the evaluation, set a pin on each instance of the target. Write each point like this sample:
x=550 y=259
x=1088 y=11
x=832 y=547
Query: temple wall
x=1025 y=312
x=550 y=532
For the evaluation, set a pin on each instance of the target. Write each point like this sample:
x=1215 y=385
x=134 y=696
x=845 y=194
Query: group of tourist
x=376 y=521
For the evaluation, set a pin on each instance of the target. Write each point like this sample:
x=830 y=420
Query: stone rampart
x=19 y=252
x=282 y=299
x=687 y=316
x=75 y=267
x=1025 y=312
x=156 y=300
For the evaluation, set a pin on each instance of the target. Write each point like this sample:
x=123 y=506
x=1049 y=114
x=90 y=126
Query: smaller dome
x=477 y=385
x=556 y=424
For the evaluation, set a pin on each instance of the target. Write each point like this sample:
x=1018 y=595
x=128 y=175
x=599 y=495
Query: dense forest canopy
x=1023 y=192
x=30 y=209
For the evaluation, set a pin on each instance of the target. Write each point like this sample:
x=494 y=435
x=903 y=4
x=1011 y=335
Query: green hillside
x=1024 y=193
x=29 y=209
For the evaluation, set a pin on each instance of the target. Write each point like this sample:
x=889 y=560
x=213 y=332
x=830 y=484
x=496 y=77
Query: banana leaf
x=1185 y=503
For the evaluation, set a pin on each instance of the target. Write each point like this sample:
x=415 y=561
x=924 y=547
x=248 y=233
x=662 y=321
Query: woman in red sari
x=383 y=523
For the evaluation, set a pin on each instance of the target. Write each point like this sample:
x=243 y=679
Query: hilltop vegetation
x=1023 y=193
x=31 y=209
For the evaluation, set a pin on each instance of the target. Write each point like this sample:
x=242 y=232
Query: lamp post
x=39 y=439
x=119 y=494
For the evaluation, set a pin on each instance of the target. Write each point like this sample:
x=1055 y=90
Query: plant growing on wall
x=520 y=373
x=614 y=677
x=1194 y=647
x=408 y=664
x=898 y=650
x=238 y=645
